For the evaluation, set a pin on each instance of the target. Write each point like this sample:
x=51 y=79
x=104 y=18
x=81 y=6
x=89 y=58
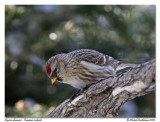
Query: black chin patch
x=59 y=79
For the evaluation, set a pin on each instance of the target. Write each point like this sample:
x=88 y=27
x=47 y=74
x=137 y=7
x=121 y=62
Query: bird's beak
x=54 y=80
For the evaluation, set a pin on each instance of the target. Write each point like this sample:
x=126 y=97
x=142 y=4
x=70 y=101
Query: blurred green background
x=35 y=33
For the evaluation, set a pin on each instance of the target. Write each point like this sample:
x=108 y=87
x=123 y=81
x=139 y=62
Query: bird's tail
x=117 y=64
x=123 y=66
x=122 y=59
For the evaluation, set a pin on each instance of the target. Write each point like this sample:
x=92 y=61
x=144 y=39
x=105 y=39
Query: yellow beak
x=54 y=80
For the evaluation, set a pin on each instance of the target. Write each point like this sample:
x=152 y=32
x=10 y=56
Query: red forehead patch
x=48 y=69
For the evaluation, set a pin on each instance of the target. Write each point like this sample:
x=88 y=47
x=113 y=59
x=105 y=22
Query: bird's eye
x=55 y=70
x=48 y=69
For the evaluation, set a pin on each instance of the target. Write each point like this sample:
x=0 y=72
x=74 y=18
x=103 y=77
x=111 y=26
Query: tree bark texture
x=105 y=98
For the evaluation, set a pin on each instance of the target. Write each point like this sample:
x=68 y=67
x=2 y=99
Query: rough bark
x=105 y=98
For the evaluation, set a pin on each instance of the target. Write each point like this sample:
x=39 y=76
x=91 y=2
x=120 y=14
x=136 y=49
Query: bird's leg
x=75 y=94
x=86 y=87
x=80 y=90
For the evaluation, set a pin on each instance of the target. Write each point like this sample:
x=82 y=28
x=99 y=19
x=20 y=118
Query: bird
x=82 y=67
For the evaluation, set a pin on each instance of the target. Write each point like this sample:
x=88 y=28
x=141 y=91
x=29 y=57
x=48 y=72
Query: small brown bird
x=82 y=67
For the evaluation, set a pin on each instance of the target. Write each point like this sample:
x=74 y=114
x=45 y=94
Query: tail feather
x=122 y=59
x=124 y=66
x=117 y=64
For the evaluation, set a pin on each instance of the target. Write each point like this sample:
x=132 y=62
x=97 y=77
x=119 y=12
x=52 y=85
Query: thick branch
x=104 y=98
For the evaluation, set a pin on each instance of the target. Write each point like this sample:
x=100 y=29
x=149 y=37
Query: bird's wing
x=88 y=55
x=96 y=71
x=101 y=60
x=95 y=57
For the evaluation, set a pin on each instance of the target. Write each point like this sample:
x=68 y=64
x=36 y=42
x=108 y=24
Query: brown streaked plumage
x=82 y=67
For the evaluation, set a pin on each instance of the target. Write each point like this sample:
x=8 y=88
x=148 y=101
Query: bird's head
x=55 y=68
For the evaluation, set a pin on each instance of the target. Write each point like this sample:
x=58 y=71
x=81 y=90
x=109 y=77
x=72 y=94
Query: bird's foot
x=78 y=91
x=74 y=95
x=86 y=87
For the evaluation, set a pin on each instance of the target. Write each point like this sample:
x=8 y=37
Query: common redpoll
x=82 y=67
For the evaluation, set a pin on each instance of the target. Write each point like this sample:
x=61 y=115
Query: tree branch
x=104 y=98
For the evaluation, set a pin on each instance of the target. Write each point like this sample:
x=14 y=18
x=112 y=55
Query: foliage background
x=35 y=33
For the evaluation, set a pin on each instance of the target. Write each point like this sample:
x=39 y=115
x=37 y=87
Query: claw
x=74 y=95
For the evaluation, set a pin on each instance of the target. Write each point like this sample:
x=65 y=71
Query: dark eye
x=55 y=71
